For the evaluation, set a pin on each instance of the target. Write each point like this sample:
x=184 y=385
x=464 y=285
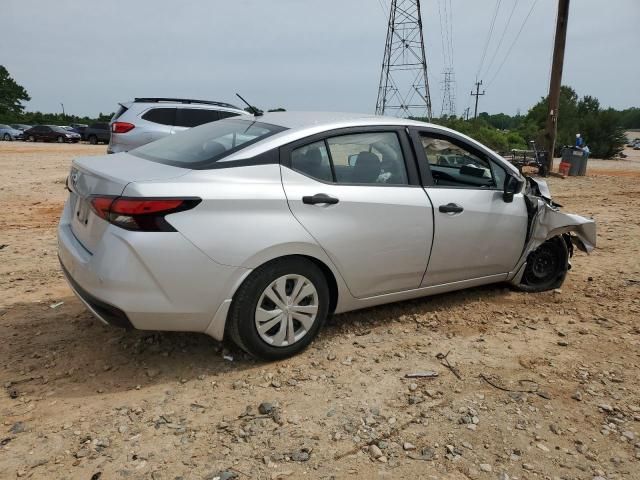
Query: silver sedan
x=258 y=228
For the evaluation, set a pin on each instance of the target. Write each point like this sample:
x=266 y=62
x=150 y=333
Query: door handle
x=450 y=208
x=319 y=198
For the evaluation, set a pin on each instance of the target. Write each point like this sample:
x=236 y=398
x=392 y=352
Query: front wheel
x=7 y=137
x=279 y=309
x=93 y=140
x=547 y=266
x=32 y=138
x=60 y=139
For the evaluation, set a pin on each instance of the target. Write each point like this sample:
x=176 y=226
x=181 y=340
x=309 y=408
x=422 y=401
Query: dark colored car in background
x=97 y=132
x=79 y=128
x=50 y=133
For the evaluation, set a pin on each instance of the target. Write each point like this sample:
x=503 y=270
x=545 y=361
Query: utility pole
x=556 y=81
x=466 y=113
x=63 y=114
x=477 y=95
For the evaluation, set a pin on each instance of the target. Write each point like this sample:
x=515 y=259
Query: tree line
x=602 y=129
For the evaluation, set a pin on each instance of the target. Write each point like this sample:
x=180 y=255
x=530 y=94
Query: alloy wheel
x=286 y=310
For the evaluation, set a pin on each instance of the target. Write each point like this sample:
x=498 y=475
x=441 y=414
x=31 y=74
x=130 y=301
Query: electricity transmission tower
x=448 y=94
x=404 y=84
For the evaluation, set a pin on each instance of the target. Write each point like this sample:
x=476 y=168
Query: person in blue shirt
x=579 y=140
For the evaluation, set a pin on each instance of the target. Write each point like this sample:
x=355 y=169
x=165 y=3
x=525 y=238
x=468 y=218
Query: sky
x=306 y=54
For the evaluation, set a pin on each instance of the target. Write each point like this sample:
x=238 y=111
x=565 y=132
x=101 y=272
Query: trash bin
x=576 y=159
x=583 y=165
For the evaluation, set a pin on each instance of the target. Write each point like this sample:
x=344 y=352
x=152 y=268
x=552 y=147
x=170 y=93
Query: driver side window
x=454 y=165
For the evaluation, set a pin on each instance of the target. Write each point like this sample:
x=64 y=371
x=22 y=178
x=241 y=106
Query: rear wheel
x=32 y=138
x=547 y=266
x=279 y=308
x=60 y=139
x=7 y=137
x=93 y=140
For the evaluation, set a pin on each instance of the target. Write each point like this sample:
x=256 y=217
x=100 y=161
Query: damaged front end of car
x=551 y=236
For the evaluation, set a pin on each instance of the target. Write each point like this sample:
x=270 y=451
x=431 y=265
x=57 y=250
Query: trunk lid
x=106 y=175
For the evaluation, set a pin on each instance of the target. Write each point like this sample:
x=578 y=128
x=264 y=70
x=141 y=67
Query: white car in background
x=145 y=120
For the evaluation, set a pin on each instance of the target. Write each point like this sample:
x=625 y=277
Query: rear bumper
x=146 y=280
x=103 y=311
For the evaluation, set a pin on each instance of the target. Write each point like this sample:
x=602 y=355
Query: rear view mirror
x=512 y=185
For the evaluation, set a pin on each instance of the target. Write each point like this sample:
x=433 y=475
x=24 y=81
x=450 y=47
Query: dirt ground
x=548 y=385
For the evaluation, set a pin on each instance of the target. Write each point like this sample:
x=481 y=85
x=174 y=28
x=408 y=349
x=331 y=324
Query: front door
x=477 y=233
x=359 y=197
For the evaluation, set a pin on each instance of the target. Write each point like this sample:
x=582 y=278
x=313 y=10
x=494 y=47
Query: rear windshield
x=206 y=144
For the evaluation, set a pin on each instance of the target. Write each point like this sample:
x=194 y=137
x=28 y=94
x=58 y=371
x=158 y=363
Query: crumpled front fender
x=547 y=221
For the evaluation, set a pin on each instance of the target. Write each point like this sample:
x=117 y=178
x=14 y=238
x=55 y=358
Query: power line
x=506 y=27
x=515 y=40
x=450 y=32
x=384 y=10
x=443 y=35
x=486 y=45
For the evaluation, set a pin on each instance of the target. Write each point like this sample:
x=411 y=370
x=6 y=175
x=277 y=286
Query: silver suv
x=147 y=119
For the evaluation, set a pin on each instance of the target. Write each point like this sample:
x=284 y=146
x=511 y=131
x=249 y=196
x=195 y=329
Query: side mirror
x=512 y=185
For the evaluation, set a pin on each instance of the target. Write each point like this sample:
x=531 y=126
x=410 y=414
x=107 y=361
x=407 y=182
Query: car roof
x=147 y=103
x=295 y=120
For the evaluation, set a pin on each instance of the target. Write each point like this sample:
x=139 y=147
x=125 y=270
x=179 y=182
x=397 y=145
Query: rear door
x=356 y=191
x=477 y=233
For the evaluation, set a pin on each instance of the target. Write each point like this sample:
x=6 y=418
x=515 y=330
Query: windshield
x=57 y=129
x=206 y=144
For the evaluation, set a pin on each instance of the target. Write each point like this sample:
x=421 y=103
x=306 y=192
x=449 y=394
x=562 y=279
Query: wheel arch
x=337 y=288
x=327 y=271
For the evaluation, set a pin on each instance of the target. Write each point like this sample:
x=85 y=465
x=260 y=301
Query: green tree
x=601 y=129
x=11 y=96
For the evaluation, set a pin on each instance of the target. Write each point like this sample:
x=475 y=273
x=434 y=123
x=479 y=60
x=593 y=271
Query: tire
x=547 y=266
x=244 y=317
x=7 y=137
x=60 y=139
x=93 y=140
x=31 y=138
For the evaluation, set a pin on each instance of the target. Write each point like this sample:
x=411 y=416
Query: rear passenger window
x=312 y=160
x=368 y=158
x=373 y=158
x=192 y=117
x=163 y=116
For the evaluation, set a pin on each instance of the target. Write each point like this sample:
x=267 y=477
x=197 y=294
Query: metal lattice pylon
x=404 y=84
x=448 y=94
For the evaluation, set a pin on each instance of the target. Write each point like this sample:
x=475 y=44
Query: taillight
x=122 y=127
x=140 y=214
